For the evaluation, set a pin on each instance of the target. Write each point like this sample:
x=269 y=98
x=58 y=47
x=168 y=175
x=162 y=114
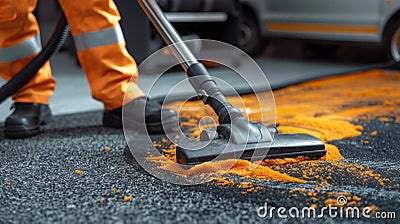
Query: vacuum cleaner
x=235 y=136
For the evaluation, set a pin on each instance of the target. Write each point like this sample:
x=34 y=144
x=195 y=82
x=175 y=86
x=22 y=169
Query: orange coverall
x=99 y=40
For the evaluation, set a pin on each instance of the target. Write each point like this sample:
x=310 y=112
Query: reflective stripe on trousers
x=21 y=50
x=99 y=38
x=19 y=44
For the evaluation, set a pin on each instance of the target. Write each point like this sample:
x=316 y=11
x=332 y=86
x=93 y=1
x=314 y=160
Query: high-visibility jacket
x=99 y=41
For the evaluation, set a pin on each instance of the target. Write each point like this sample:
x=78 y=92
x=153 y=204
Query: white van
x=369 y=21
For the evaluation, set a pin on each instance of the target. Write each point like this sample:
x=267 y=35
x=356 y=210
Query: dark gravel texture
x=38 y=183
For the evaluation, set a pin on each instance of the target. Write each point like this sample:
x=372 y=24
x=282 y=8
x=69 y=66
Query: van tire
x=391 y=42
x=250 y=40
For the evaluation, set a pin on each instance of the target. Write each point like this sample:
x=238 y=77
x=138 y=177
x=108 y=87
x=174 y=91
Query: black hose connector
x=208 y=90
x=53 y=44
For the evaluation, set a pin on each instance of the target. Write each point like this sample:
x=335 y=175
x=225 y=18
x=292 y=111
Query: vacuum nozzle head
x=282 y=146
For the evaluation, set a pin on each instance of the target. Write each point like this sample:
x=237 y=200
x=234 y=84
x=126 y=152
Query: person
x=101 y=51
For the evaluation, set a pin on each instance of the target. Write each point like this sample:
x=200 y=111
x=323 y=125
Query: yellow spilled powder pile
x=249 y=170
x=242 y=168
x=324 y=108
x=332 y=154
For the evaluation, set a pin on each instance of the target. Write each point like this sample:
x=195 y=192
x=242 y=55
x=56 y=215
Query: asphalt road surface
x=39 y=183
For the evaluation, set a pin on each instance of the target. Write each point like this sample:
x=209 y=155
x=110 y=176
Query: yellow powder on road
x=326 y=108
x=244 y=168
x=332 y=153
x=323 y=128
x=78 y=172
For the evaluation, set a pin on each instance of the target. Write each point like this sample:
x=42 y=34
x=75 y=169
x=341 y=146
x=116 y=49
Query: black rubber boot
x=152 y=115
x=26 y=119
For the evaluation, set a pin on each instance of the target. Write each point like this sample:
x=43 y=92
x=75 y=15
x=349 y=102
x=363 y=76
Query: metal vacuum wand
x=168 y=33
x=233 y=125
x=201 y=81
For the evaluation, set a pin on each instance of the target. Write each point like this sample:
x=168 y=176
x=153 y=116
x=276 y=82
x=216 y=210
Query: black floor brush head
x=283 y=146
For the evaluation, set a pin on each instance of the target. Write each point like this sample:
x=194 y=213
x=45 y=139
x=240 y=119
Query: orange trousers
x=101 y=49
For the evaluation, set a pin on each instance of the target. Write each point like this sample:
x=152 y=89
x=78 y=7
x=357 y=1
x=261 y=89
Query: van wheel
x=250 y=40
x=392 y=42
